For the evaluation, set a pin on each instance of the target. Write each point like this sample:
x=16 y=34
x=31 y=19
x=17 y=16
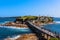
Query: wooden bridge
x=46 y=33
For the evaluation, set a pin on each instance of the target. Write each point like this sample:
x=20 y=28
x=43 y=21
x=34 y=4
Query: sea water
x=55 y=28
x=6 y=31
x=11 y=32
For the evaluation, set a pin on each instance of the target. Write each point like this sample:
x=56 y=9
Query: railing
x=44 y=30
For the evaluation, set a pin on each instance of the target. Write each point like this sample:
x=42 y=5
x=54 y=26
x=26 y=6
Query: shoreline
x=57 y=21
x=13 y=38
x=31 y=36
x=14 y=27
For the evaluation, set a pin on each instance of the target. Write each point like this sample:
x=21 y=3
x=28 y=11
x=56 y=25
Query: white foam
x=14 y=38
x=57 y=21
x=13 y=27
x=17 y=37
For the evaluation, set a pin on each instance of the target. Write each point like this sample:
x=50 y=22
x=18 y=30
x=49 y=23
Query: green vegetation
x=28 y=18
x=54 y=39
x=42 y=19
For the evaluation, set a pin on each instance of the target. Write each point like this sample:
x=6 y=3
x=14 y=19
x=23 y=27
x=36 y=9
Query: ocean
x=11 y=32
x=54 y=28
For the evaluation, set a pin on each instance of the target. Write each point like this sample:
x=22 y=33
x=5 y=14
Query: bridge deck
x=43 y=30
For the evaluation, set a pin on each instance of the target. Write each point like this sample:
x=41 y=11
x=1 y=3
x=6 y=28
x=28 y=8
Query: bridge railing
x=45 y=31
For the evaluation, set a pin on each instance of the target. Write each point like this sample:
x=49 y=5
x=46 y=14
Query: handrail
x=43 y=30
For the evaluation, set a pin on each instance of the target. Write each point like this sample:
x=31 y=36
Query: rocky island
x=28 y=37
x=13 y=24
x=43 y=20
x=20 y=22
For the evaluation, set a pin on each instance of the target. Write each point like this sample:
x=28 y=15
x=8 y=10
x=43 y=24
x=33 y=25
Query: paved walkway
x=43 y=30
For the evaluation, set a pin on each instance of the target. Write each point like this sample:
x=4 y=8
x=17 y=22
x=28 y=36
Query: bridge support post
x=45 y=36
x=49 y=37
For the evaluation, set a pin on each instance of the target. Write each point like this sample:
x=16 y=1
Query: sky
x=29 y=7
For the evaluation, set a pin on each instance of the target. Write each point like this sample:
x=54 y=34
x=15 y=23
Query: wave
x=13 y=38
x=13 y=27
x=57 y=21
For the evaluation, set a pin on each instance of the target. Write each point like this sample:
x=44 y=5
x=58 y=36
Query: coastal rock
x=15 y=25
x=28 y=37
